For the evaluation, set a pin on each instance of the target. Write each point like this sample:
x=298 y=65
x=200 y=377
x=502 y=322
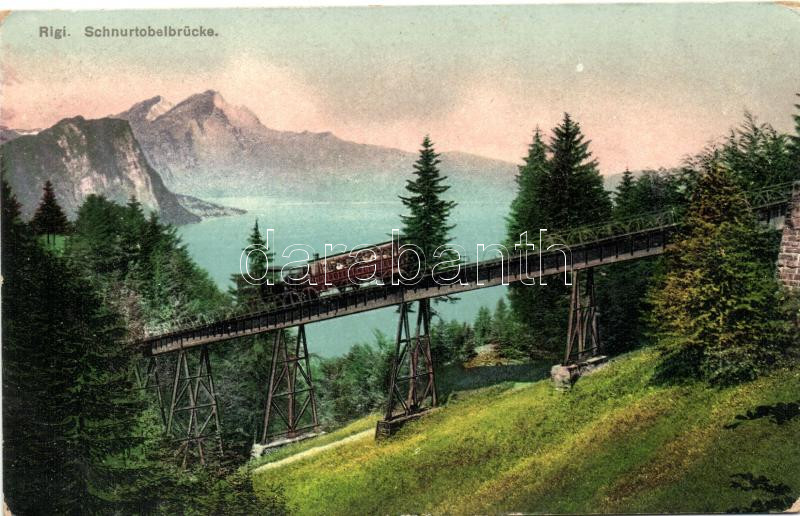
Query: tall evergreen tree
x=563 y=191
x=621 y=287
x=248 y=292
x=572 y=191
x=250 y=361
x=71 y=416
x=525 y=213
x=716 y=312
x=426 y=223
x=623 y=197
x=49 y=219
x=483 y=325
x=531 y=305
x=258 y=261
x=758 y=155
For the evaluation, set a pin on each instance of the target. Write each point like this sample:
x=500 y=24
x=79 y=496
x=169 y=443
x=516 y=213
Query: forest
x=80 y=437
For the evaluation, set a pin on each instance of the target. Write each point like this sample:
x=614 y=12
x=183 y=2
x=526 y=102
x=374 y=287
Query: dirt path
x=313 y=451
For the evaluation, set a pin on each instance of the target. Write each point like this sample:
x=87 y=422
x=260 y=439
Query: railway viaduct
x=188 y=399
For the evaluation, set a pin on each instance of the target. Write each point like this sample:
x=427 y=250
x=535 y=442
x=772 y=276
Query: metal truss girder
x=406 y=366
x=583 y=337
x=289 y=405
x=193 y=408
x=147 y=378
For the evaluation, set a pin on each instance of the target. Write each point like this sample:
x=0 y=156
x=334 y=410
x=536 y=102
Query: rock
x=565 y=375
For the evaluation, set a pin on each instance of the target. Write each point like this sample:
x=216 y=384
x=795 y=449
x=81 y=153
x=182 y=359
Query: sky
x=649 y=84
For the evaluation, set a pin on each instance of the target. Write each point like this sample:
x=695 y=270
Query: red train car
x=339 y=272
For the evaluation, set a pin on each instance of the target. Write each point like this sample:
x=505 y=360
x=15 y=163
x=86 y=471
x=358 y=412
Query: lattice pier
x=291 y=404
x=412 y=386
x=193 y=419
x=583 y=338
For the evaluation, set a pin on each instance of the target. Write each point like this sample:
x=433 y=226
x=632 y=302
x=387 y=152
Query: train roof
x=345 y=253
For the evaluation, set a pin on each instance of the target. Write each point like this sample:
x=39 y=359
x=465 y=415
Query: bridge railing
x=770 y=195
x=574 y=237
x=615 y=228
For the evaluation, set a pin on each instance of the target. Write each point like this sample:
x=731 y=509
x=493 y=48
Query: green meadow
x=618 y=441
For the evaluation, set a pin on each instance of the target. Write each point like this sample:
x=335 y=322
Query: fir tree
x=250 y=284
x=758 y=155
x=426 y=223
x=623 y=197
x=525 y=213
x=483 y=325
x=530 y=304
x=49 y=218
x=26 y=444
x=258 y=261
x=621 y=287
x=71 y=416
x=717 y=311
x=572 y=193
x=563 y=191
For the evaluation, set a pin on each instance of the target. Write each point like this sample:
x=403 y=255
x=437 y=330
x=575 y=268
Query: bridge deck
x=599 y=245
x=472 y=276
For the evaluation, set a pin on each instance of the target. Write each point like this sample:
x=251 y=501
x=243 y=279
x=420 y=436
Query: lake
x=216 y=245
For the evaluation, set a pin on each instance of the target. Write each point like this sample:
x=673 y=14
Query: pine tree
x=501 y=328
x=441 y=343
x=70 y=414
x=758 y=155
x=248 y=292
x=258 y=261
x=717 y=311
x=525 y=213
x=564 y=191
x=426 y=224
x=483 y=326
x=621 y=287
x=623 y=197
x=26 y=444
x=529 y=303
x=572 y=193
x=49 y=218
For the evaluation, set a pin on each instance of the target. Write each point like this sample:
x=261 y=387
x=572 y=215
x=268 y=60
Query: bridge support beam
x=147 y=378
x=294 y=409
x=583 y=338
x=412 y=385
x=193 y=418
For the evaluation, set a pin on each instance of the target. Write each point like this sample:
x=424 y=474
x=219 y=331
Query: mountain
x=147 y=110
x=7 y=134
x=206 y=146
x=83 y=157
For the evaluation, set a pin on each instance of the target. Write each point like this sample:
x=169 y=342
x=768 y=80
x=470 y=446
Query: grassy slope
x=615 y=443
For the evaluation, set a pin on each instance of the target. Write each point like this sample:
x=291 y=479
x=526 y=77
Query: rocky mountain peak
x=146 y=110
x=82 y=157
x=208 y=146
x=211 y=104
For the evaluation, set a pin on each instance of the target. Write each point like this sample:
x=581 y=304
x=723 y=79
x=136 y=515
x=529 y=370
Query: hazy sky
x=648 y=83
